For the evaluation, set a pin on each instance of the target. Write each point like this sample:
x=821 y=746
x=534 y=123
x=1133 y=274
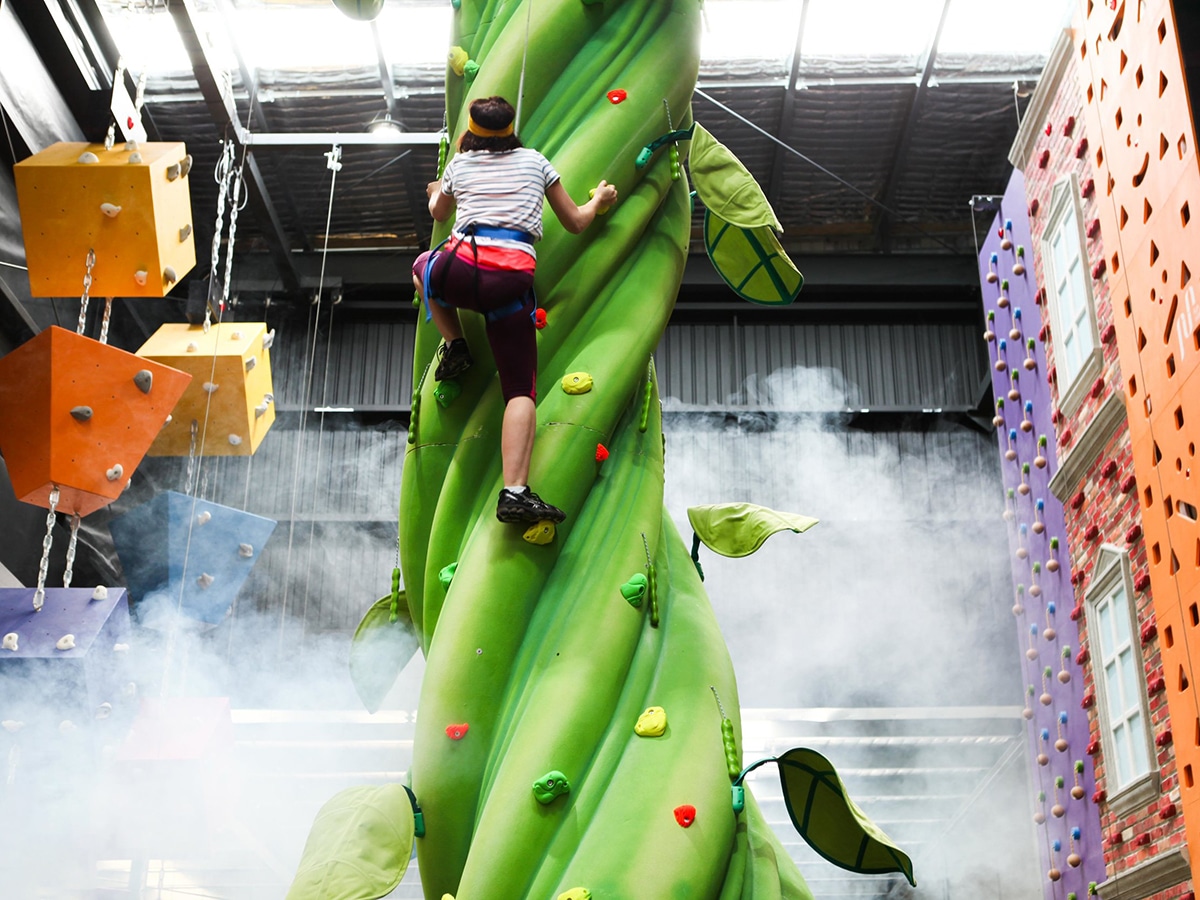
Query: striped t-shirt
x=503 y=189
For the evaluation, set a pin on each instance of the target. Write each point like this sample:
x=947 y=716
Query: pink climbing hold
x=457 y=732
x=685 y=815
x=617 y=96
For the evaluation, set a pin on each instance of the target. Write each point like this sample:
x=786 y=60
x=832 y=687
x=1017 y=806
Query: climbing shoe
x=453 y=359
x=526 y=507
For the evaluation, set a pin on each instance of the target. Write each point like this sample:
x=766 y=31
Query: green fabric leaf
x=829 y=820
x=359 y=846
x=751 y=261
x=738 y=529
x=725 y=186
x=379 y=649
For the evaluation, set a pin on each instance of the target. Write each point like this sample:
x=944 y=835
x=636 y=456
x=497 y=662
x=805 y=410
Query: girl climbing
x=487 y=265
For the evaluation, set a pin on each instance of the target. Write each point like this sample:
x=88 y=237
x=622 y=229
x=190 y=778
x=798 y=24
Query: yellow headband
x=477 y=129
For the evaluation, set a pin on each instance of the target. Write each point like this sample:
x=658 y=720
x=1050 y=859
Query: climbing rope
x=69 y=572
x=524 y=59
x=333 y=162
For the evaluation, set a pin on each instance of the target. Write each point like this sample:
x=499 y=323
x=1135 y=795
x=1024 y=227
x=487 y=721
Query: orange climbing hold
x=601 y=453
x=685 y=815
x=457 y=732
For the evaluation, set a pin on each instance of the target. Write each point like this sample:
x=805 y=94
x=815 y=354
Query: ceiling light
x=384 y=124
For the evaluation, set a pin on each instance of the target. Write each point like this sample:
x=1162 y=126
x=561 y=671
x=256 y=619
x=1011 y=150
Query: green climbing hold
x=635 y=589
x=447 y=392
x=551 y=786
x=447 y=575
x=738 y=793
x=738 y=529
x=470 y=70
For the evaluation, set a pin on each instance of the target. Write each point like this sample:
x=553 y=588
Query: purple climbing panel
x=1068 y=823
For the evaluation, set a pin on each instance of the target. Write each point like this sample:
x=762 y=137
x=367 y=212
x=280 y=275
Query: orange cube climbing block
x=80 y=415
x=230 y=398
x=132 y=207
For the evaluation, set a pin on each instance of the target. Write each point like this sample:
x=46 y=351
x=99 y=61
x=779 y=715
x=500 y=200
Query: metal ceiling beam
x=208 y=75
x=910 y=126
x=342 y=138
x=787 y=110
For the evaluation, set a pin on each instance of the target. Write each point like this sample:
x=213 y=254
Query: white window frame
x=1140 y=787
x=1073 y=383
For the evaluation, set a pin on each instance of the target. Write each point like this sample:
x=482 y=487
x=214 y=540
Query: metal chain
x=234 y=206
x=39 y=596
x=70 y=570
x=222 y=175
x=104 y=322
x=87 y=289
x=191 y=466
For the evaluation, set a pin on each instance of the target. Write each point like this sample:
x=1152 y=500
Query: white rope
x=69 y=572
x=524 y=58
x=39 y=595
x=334 y=164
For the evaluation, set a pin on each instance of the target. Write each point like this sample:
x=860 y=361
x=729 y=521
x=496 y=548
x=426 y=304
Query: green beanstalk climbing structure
x=540 y=657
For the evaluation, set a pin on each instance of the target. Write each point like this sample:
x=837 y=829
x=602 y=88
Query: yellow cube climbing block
x=230 y=398
x=131 y=206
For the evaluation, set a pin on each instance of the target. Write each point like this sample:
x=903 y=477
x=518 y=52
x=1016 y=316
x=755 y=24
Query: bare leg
x=516 y=439
x=445 y=318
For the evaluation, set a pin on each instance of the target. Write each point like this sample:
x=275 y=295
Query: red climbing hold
x=601 y=453
x=457 y=732
x=539 y=317
x=685 y=815
x=617 y=96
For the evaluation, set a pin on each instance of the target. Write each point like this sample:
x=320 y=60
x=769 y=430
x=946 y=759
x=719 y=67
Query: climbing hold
x=235 y=439
x=169 y=276
x=550 y=786
x=540 y=532
x=81 y=413
x=470 y=70
x=9 y=642
x=456 y=4
x=140 y=276
x=685 y=815
x=458 y=58
x=66 y=642
x=173 y=171
x=104 y=710
x=601 y=211
x=251 y=363
x=446 y=575
x=268 y=340
x=261 y=409
x=601 y=453
x=576 y=893
x=100 y=592
x=209 y=387
x=457 y=732
x=185 y=166
x=191 y=347
x=184 y=233
x=135 y=159
x=577 y=383
x=66 y=726
x=447 y=392
x=245 y=551
x=110 y=209
x=635 y=589
x=144 y=379
x=738 y=795
x=204 y=580
x=617 y=96
x=204 y=517
x=539 y=318
x=652 y=722
x=115 y=472
x=88 y=158
x=733 y=762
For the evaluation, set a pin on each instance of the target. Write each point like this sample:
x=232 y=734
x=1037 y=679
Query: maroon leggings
x=505 y=298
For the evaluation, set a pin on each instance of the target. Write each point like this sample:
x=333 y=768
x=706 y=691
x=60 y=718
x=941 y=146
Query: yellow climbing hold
x=540 y=532
x=651 y=723
x=576 y=893
x=447 y=897
x=577 y=383
x=458 y=61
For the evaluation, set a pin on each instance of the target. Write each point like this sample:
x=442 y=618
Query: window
x=1069 y=287
x=1120 y=676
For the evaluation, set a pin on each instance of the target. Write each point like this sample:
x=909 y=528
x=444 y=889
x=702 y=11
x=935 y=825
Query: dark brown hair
x=495 y=113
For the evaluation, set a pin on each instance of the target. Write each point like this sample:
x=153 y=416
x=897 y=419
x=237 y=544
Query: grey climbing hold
x=140 y=277
x=81 y=413
x=115 y=472
x=184 y=233
x=110 y=209
x=100 y=592
x=172 y=171
x=135 y=159
x=169 y=276
x=261 y=409
x=131 y=146
x=204 y=518
x=235 y=439
x=251 y=363
x=87 y=157
x=235 y=336
x=144 y=379
x=204 y=580
x=185 y=166
x=268 y=339
x=192 y=347
x=245 y=551
x=209 y=387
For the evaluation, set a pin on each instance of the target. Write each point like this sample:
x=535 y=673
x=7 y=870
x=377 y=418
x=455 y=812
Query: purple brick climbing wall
x=1068 y=824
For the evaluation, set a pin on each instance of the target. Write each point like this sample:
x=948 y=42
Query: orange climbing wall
x=1148 y=182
